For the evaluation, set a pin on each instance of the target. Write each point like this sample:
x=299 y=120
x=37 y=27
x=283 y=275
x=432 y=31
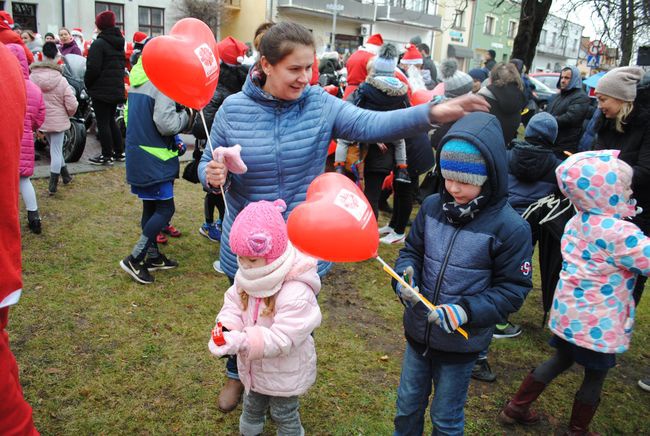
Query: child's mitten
x=235 y=342
x=448 y=317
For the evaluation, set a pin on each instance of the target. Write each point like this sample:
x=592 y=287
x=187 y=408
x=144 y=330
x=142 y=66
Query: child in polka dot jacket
x=593 y=311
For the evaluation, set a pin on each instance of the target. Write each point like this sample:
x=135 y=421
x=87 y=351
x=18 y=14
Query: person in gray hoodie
x=570 y=108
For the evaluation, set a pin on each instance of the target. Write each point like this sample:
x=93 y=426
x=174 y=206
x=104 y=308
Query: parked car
x=542 y=93
x=548 y=79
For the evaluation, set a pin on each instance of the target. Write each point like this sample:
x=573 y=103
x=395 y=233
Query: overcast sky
x=581 y=15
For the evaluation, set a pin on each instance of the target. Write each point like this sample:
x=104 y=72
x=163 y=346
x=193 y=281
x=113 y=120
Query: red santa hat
x=6 y=18
x=139 y=37
x=412 y=56
x=232 y=51
x=375 y=39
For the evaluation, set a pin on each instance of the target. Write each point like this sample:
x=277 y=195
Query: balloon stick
x=420 y=297
x=219 y=159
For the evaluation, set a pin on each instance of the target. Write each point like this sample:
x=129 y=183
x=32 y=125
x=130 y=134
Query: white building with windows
x=559 y=45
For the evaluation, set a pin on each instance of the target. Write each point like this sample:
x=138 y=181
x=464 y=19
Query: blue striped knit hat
x=462 y=161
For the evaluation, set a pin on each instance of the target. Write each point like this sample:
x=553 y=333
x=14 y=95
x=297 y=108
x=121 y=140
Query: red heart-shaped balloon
x=335 y=222
x=184 y=65
x=422 y=96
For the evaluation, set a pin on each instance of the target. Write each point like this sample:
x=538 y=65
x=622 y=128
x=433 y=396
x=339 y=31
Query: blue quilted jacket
x=284 y=144
x=483 y=265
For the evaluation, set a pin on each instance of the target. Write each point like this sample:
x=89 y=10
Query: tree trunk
x=531 y=20
x=627 y=31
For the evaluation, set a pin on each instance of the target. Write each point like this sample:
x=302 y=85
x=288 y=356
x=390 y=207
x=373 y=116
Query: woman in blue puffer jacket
x=285 y=126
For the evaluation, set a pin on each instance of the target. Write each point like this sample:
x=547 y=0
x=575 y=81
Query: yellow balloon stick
x=426 y=302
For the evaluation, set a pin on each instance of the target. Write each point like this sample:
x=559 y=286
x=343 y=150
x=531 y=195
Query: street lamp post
x=335 y=8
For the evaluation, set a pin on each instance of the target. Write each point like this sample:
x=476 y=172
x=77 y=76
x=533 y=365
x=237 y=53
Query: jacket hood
x=529 y=162
x=597 y=182
x=138 y=77
x=46 y=74
x=305 y=269
x=641 y=106
x=391 y=86
x=22 y=58
x=576 y=79
x=483 y=130
x=253 y=89
x=113 y=36
x=509 y=98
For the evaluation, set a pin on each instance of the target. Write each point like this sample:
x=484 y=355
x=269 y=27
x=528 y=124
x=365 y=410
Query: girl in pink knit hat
x=268 y=316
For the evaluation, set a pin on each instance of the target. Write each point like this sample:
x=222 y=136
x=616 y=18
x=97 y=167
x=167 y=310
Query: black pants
x=403 y=196
x=109 y=134
x=372 y=189
x=644 y=225
x=209 y=203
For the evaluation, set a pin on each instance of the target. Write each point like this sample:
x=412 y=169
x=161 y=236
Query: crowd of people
x=470 y=246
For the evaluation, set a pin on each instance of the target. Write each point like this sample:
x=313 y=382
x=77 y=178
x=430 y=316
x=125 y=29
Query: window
x=562 y=42
x=117 y=9
x=488 y=28
x=575 y=45
x=542 y=37
x=24 y=14
x=512 y=29
x=151 y=20
x=459 y=19
x=553 y=39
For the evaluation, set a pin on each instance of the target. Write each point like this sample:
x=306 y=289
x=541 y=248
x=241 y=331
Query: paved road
x=42 y=167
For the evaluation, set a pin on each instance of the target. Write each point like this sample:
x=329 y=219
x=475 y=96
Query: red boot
x=581 y=416
x=172 y=231
x=161 y=238
x=517 y=411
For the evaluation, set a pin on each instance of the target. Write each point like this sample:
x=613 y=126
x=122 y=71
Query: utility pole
x=335 y=8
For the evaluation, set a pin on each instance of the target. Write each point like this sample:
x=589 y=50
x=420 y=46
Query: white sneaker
x=386 y=230
x=393 y=238
x=217 y=267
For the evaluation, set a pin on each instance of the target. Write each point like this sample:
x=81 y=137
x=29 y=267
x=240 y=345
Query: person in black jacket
x=104 y=80
x=505 y=93
x=231 y=79
x=570 y=108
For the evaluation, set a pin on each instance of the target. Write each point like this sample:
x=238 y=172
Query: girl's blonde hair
x=626 y=109
x=269 y=302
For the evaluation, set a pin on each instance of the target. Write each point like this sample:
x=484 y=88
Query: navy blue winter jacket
x=531 y=174
x=484 y=265
x=284 y=144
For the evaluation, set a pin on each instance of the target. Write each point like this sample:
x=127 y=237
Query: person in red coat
x=8 y=36
x=15 y=413
x=357 y=63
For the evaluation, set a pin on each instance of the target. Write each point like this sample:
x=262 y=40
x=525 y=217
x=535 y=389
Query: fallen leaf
x=384 y=358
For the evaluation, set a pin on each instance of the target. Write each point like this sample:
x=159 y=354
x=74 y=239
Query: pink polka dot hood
x=603 y=254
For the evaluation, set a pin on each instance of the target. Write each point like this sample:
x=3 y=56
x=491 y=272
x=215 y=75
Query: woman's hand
x=215 y=173
x=456 y=108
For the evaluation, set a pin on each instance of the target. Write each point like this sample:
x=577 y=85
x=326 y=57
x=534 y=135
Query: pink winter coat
x=33 y=117
x=593 y=306
x=281 y=357
x=60 y=101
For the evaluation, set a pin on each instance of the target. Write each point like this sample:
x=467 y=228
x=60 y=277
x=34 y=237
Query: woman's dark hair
x=50 y=50
x=281 y=39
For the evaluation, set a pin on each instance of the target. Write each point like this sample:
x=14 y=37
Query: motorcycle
x=74 y=139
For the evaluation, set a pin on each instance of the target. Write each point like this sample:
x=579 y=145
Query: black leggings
x=109 y=134
x=372 y=188
x=156 y=214
x=403 y=197
x=209 y=203
x=644 y=225
x=592 y=383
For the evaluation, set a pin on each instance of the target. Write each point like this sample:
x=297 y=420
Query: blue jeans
x=450 y=381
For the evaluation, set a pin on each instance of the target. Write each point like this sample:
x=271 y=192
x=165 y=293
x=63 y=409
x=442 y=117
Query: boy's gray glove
x=405 y=293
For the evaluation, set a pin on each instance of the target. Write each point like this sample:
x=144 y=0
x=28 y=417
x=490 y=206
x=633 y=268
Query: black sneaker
x=160 y=262
x=119 y=157
x=101 y=160
x=483 y=372
x=402 y=175
x=137 y=271
x=644 y=384
x=507 y=330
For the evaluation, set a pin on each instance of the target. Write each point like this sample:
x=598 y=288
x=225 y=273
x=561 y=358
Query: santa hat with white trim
x=412 y=56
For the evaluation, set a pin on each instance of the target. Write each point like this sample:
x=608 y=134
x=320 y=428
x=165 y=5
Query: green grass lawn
x=100 y=354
